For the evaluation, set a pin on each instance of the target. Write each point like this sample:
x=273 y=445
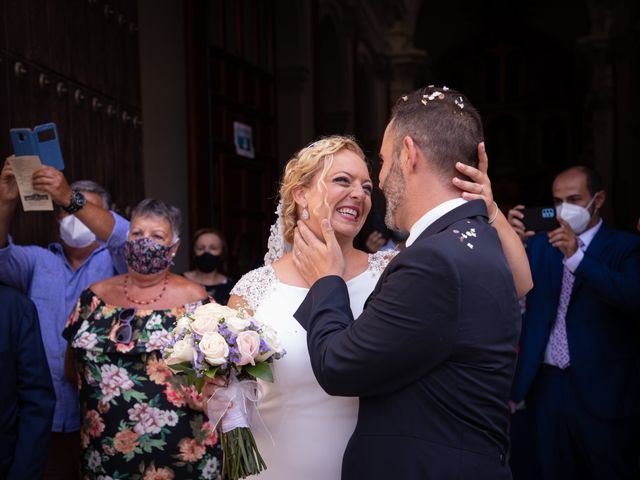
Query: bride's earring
x=305 y=214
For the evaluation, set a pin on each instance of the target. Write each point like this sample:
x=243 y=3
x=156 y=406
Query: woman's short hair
x=305 y=164
x=150 y=207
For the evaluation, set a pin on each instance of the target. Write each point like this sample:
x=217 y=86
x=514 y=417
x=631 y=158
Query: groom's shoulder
x=463 y=235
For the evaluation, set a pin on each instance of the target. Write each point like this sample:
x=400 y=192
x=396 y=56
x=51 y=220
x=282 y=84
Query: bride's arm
x=514 y=252
x=480 y=188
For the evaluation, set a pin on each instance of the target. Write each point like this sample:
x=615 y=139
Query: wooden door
x=234 y=48
x=75 y=63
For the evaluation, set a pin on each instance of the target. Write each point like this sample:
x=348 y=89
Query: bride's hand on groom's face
x=316 y=258
x=479 y=186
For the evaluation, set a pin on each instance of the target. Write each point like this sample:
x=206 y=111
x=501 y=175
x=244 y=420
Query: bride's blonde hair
x=301 y=169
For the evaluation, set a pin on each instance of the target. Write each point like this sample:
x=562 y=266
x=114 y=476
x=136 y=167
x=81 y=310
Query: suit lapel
x=595 y=249
x=556 y=272
x=470 y=209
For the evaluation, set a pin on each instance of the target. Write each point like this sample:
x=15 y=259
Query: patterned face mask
x=147 y=256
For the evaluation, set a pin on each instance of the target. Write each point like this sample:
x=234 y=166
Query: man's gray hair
x=92 y=187
x=150 y=207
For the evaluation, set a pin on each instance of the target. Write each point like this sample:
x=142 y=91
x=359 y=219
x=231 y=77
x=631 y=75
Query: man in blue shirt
x=54 y=277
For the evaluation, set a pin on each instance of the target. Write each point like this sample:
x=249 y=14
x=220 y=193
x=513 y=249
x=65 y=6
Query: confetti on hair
x=405 y=98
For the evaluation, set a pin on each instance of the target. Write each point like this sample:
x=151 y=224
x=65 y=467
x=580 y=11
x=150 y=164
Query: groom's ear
x=411 y=153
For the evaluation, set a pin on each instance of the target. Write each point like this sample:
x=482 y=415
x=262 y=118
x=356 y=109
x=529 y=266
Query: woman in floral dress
x=136 y=421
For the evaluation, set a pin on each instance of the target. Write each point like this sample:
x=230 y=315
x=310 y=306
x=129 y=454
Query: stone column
x=406 y=61
x=294 y=77
x=600 y=110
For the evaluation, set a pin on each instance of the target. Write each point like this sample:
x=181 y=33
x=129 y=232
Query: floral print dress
x=136 y=424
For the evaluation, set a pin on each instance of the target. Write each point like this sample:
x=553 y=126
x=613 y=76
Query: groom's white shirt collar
x=431 y=216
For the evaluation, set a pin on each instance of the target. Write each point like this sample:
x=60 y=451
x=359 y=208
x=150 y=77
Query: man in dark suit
x=579 y=364
x=433 y=353
x=27 y=399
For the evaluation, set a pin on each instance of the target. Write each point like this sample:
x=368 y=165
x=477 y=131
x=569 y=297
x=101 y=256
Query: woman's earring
x=305 y=214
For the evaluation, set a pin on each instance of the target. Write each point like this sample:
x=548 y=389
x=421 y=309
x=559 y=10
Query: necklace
x=144 y=302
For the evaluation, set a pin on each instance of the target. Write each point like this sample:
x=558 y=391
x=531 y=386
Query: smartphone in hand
x=540 y=219
x=42 y=141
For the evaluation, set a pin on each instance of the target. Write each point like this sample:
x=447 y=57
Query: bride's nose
x=357 y=191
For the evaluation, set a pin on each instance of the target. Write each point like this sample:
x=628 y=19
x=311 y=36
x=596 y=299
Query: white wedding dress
x=310 y=429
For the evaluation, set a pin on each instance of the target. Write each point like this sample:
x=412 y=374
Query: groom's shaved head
x=443 y=123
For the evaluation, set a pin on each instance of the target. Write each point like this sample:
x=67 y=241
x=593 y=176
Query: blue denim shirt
x=45 y=275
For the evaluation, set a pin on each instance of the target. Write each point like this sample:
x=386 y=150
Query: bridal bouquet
x=215 y=340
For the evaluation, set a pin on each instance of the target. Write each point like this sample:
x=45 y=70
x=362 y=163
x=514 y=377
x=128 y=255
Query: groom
x=432 y=355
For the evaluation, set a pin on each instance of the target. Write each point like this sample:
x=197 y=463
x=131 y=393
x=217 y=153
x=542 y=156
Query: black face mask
x=207 y=262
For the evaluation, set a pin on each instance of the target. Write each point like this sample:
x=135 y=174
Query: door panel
x=75 y=63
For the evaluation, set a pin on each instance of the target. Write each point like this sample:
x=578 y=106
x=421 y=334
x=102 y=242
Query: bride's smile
x=350 y=213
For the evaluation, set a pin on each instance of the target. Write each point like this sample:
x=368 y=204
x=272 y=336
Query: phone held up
x=41 y=141
x=540 y=219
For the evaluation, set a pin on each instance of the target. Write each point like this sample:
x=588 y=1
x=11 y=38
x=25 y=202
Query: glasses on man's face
x=125 y=330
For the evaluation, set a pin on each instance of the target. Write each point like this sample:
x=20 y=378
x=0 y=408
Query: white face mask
x=576 y=216
x=75 y=233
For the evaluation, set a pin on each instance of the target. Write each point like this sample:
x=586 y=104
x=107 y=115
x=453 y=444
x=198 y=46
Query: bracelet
x=495 y=215
x=77 y=202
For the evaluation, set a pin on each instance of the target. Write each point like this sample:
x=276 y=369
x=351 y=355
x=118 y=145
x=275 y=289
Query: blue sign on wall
x=243 y=138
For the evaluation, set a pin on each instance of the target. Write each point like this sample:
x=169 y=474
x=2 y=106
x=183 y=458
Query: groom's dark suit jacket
x=431 y=357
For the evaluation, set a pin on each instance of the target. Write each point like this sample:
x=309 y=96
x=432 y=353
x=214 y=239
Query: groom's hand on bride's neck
x=317 y=257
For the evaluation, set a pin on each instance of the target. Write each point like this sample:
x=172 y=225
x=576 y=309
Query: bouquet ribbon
x=236 y=406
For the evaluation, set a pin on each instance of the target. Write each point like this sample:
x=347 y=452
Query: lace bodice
x=255 y=285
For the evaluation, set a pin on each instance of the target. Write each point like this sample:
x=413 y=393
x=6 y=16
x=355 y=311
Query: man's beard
x=394 y=189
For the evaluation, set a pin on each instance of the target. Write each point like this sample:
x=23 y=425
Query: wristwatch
x=77 y=202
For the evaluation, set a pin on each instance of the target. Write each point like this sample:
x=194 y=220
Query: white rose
x=205 y=324
x=248 y=344
x=212 y=310
x=237 y=324
x=206 y=317
x=270 y=337
x=214 y=348
x=182 y=352
x=182 y=325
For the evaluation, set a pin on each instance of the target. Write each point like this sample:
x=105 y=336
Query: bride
x=310 y=429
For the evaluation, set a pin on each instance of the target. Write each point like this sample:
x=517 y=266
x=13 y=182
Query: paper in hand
x=23 y=168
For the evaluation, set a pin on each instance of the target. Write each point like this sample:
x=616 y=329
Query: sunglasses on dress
x=124 y=331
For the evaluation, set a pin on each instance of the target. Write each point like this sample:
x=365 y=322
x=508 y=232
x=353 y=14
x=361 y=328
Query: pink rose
x=248 y=344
